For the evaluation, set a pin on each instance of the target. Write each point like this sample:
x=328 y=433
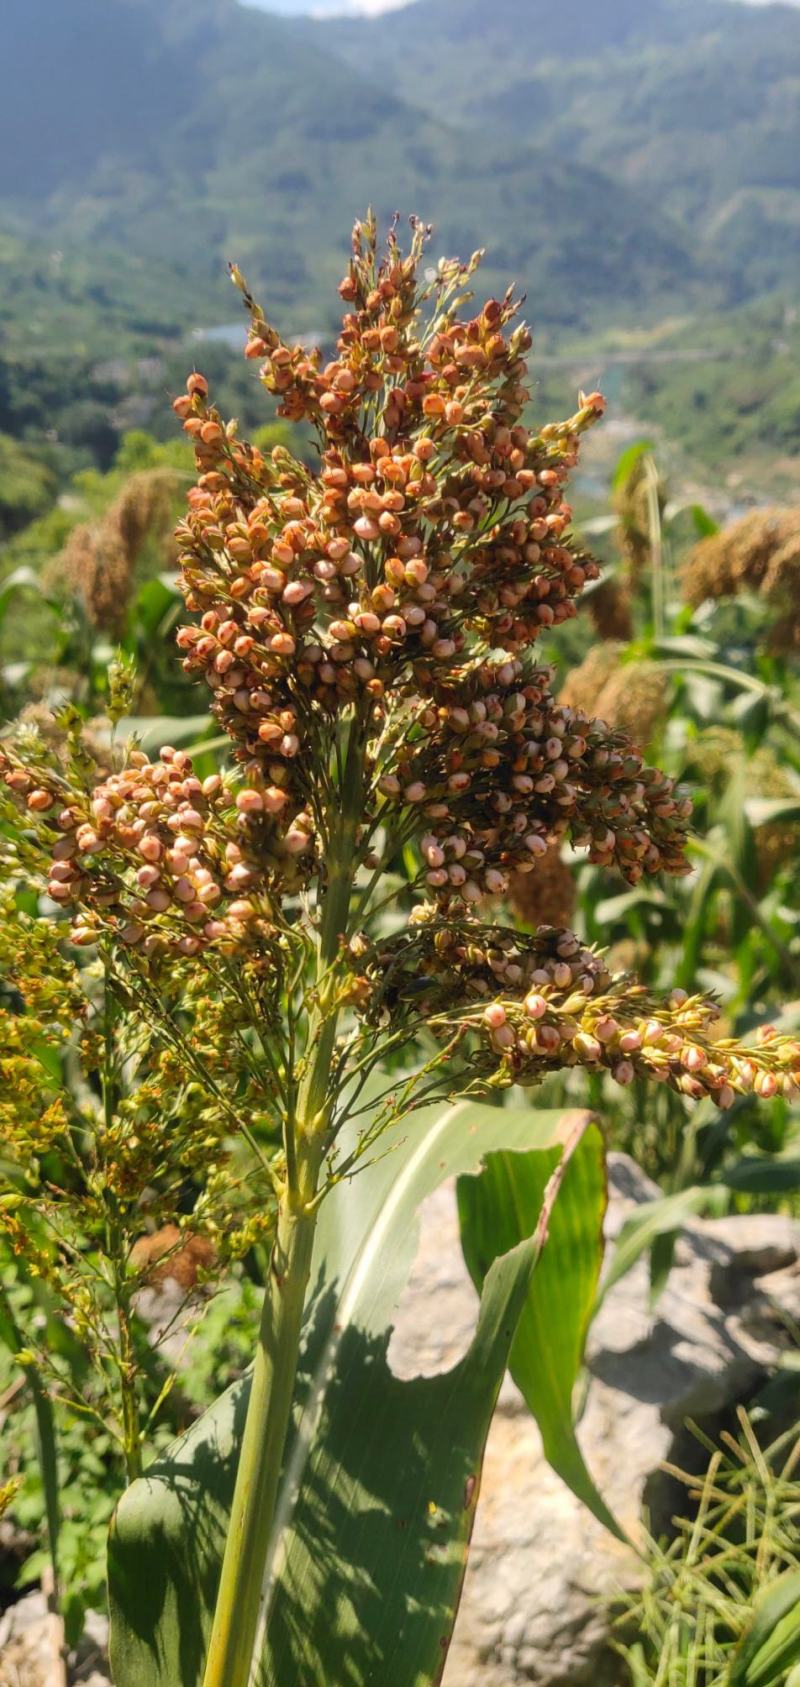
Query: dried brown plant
x=99 y=560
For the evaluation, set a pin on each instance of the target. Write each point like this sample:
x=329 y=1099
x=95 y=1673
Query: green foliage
x=381 y=1476
x=88 y=1472
x=27 y=486
x=92 y=343
x=770 y=1644
x=719 y=1605
x=501 y=1208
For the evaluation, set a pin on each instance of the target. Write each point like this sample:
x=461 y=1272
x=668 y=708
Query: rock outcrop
x=534 y=1606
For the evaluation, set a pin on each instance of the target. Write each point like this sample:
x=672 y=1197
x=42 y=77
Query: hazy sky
x=332 y=8
x=329 y=8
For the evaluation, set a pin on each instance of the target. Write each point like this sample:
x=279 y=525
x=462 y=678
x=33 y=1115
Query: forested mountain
x=694 y=102
x=610 y=153
x=633 y=164
x=195 y=130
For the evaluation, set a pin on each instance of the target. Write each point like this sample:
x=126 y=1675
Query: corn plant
x=367 y=632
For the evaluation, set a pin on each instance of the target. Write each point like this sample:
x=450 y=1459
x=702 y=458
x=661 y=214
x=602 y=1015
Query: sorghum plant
x=367 y=632
x=759 y=553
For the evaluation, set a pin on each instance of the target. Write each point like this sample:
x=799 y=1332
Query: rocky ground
x=30 y=1649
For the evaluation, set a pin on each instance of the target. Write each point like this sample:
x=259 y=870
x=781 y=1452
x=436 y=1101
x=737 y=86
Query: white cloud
x=329 y=8
x=371 y=7
x=355 y=8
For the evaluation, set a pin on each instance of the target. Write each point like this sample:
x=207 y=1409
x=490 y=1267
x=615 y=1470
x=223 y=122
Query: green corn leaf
x=154 y=601
x=662 y=1254
x=704 y=524
x=497 y=1210
x=693 y=646
x=770 y=1644
x=619 y=907
x=21 y=579
x=628 y=461
x=381 y=1475
x=765 y=811
x=13 y=1338
x=749 y=712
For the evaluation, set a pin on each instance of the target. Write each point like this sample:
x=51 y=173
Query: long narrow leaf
x=499 y=1208
x=381 y=1475
x=771 y=1643
x=764 y=1174
x=46 y=1446
x=658 y=1218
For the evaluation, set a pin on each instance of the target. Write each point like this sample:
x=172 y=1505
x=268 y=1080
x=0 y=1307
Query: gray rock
x=29 y=1648
x=533 y=1608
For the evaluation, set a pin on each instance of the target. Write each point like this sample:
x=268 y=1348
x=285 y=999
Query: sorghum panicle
x=400 y=587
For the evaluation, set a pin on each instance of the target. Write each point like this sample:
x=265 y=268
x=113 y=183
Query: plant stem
x=131 y=1431
x=656 y=546
x=239 y=1597
x=236 y=1616
x=46 y=1449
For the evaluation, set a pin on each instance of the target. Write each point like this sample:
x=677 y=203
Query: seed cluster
x=758 y=553
x=632 y=696
x=547 y=896
x=498 y=770
x=541 y=1004
x=161 y=858
x=98 y=561
x=437 y=520
x=435 y=531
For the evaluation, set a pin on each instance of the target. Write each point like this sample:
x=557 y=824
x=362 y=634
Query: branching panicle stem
x=236 y=1617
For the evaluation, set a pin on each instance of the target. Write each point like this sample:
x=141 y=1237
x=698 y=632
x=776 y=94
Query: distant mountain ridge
x=693 y=102
x=197 y=130
x=599 y=150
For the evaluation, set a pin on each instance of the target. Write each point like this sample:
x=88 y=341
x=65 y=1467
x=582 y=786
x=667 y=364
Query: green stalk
x=12 y=1337
x=131 y=1429
x=239 y=1598
x=236 y=1616
x=656 y=547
